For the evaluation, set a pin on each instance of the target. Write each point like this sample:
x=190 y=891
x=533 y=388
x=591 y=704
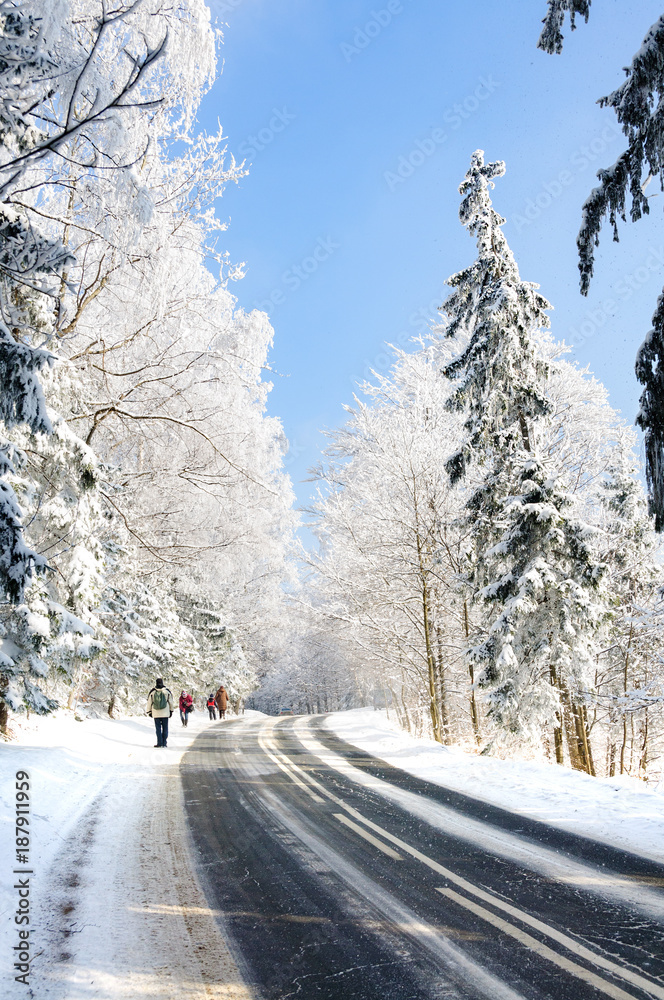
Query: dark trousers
x=161 y=725
x=212 y=711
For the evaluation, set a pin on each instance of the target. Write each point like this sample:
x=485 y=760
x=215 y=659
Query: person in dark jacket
x=212 y=707
x=160 y=707
x=186 y=706
x=221 y=699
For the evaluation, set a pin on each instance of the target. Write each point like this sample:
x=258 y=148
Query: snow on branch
x=551 y=38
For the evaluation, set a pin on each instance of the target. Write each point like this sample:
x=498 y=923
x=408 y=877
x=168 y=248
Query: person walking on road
x=221 y=699
x=186 y=706
x=160 y=707
x=212 y=707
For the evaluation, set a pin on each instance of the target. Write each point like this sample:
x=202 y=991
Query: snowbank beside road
x=622 y=811
x=116 y=909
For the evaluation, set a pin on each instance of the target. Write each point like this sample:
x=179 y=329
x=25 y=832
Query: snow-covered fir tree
x=531 y=558
x=637 y=106
x=363 y=609
x=66 y=524
x=499 y=377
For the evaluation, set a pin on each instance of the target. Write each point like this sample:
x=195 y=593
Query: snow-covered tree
x=183 y=503
x=500 y=377
x=389 y=554
x=551 y=39
x=532 y=557
x=115 y=66
x=630 y=684
x=637 y=106
x=57 y=485
x=396 y=591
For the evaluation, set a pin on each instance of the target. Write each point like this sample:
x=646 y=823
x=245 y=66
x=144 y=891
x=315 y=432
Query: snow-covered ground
x=621 y=811
x=117 y=910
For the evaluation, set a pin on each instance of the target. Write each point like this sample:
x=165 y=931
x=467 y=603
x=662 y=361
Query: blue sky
x=357 y=120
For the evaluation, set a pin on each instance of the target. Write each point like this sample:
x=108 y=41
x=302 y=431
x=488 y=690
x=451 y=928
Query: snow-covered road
x=318 y=871
x=117 y=911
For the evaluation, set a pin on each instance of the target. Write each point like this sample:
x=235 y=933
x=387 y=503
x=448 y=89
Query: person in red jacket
x=186 y=706
x=212 y=707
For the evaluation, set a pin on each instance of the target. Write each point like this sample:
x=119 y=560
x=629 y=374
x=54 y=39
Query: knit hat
x=159 y=682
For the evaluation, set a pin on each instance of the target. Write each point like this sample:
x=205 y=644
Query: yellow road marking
x=599 y=960
x=367 y=836
x=287 y=766
x=569 y=943
x=541 y=949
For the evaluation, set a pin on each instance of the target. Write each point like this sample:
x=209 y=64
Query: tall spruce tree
x=531 y=561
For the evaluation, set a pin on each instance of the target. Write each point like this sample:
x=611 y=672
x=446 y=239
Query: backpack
x=159 y=699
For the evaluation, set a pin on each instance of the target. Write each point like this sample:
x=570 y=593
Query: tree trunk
x=525 y=433
x=409 y=725
x=625 y=683
x=431 y=663
x=643 y=762
x=474 y=714
x=558 y=729
x=581 y=721
x=4 y=716
x=623 y=745
x=580 y=753
x=575 y=724
x=433 y=701
x=442 y=692
x=575 y=757
x=611 y=764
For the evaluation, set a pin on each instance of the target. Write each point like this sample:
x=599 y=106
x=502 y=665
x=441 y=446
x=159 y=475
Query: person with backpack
x=221 y=698
x=186 y=706
x=212 y=707
x=160 y=707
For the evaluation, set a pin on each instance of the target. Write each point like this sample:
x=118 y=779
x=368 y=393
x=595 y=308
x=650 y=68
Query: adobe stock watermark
x=598 y=317
x=23 y=949
x=280 y=120
x=295 y=450
x=298 y=273
x=420 y=324
x=364 y=35
x=221 y=7
x=584 y=157
x=454 y=117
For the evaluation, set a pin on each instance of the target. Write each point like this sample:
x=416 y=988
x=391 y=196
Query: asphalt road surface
x=340 y=877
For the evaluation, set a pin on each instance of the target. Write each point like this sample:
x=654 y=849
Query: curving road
x=338 y=876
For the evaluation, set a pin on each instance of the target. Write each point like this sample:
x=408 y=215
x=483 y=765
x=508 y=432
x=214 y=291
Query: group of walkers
x=218 y=703
x=160 y=707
